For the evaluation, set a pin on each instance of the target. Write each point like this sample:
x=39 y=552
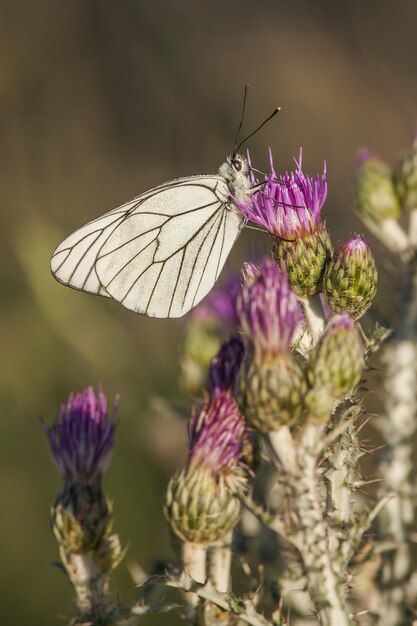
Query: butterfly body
x=162 y=252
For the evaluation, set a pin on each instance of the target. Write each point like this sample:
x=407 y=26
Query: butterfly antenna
x=245 y=95
x=277 y=110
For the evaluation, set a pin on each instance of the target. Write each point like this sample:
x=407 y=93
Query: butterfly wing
x=168 y=252
x=160 y=253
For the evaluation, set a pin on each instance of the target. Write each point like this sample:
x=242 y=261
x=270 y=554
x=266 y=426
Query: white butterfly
x=162 y=252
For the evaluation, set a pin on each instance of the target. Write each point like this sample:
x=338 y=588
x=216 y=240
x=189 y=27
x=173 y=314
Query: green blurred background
x=99 y=101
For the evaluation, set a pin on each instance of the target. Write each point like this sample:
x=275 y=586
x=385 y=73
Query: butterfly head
x=236 y=172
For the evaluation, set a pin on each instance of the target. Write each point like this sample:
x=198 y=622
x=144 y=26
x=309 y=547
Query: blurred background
x=99 y=101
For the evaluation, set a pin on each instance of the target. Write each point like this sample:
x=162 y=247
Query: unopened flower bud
x=198 y=507
x=271 y=383
x=406 y=178
x=374 y=192
x=80 y=517
x=336 y=363
x=350 y=278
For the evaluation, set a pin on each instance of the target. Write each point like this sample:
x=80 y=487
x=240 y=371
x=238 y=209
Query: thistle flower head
x=268 y=308
x=224 y=367
x=217 y=433
x=200 y=504
x=336 y=363
x=374 y=193
x=350 y=278
x=81 y=436
x=287 y=205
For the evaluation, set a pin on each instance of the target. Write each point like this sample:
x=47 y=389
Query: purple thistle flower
x=217 y=433
x=268 y=308
x=288 y=205
x=225 y=366
x=81 y=436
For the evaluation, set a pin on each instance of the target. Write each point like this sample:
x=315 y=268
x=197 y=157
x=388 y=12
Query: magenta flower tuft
x=224 y=367
x=268 y=308
x=81 y=436
x=341 y=321
x=287 y=205
x=217 y=434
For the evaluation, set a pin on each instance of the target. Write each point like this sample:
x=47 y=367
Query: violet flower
x=224 y=367
x=287 y=205
x=218 y=431
x=268 y=308
x=81 y=436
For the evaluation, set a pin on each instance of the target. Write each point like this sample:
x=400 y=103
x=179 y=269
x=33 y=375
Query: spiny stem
x=398 y=427
x=194 y=563
x=317 y=546
x=219 y=563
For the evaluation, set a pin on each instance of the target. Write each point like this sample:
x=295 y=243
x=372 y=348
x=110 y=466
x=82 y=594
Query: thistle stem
x=194 y=557
x=324 y=572
x=315 y=318
x=88 y=582
x=413 y=228
x=315 y=540
x=399 y=427
x=219 y=563
x=390 y=233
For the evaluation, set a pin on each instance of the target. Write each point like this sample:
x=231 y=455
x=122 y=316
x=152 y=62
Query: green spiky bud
x=80 y=517
x=406 y=177
x=270 y=391
x=336 y=363
x=199 y=506
x=374 y=192
x=350 y=278
x=108 y=553
x=305 y=259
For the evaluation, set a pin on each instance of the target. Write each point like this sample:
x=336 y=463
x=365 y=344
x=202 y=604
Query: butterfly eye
x=237 y=165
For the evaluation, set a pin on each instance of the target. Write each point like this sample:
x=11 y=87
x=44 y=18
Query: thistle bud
x=350 y=278
x=80 y=517
x=200 y=504
x=336 y=363
x=288 y=206
x=271 y=383
x=81 y=439
x=304 y=259
x=198 y=509
x=406 y=177
x=374 y=193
